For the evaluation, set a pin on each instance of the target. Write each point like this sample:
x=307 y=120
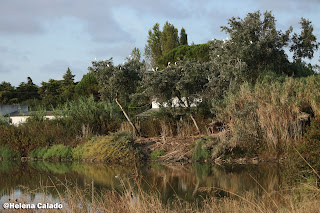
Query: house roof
x=29 y=113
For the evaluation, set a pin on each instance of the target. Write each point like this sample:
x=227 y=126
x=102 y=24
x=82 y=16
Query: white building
x=18 y=114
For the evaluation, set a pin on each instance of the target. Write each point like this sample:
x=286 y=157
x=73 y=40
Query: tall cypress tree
x=183 y=37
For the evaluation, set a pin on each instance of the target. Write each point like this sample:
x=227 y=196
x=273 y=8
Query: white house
x=18 y=114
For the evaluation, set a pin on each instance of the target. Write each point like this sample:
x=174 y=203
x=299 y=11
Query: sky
x=42 y=38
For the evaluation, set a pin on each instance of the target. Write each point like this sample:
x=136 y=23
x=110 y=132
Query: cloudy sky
x=41 y=38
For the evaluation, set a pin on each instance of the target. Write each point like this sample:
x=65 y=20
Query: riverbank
x=171 y=150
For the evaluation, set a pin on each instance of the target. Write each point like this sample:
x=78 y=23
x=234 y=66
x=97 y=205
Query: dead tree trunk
x=195 y=123
x=127 y=117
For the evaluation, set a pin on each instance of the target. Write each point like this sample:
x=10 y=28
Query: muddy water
x=191 y=182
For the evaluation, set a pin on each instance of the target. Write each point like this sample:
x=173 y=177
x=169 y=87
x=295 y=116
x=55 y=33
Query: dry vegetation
x=303 y=198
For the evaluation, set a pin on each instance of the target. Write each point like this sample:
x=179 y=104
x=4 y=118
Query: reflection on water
x=188 y=182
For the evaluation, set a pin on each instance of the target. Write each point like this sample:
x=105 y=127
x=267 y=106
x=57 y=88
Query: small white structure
x=176 y=103
x=18 y=114
x=155 y=106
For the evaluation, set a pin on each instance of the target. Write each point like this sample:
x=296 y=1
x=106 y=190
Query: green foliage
x=202 y=150
x=24 y=138
x=7 y=153
x=183 y=37
x=157 y=153
x=50 y=92
x=169 y=38
x=27 y=91
x=7 y=93
x=87 y=86
x=199 y=52
x=305 y=44
x=58 y=151
x=258 y=43
x=38 y=152
x=78 y=152
x=309 y=145
x=85 y=114
x=117 y=82
x=159 y=42
x=153 y=47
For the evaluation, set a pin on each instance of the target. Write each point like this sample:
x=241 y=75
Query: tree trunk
x=195 y=123
x=127 y=117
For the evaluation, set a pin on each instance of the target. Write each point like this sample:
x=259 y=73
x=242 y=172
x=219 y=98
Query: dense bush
x=90 y=117
x=58 y=151
x=7 y=153
x=202 y=150
x=38 y=152
x=26 y=137
x=157 y=153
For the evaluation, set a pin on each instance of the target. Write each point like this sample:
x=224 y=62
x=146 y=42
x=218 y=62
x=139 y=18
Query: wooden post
x=127 y=117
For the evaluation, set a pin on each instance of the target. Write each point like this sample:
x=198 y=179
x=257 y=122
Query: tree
x=258 y=43
x=7 y=93
x=199 y=52
x=153 y=47
x=27 y=91
x=169 y=38
x=305 y=44
x=87 y=86
x=68 y=78
x=136 y=54
x=159 y=43
x=117 y=82
x=68 y=86
x=51 y=92
x=183 y=37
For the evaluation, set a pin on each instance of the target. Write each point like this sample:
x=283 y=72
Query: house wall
x=175 y=103
x=17 y=120
x=7 y=109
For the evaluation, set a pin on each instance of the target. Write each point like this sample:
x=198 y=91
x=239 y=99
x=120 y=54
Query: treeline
x=49 y=94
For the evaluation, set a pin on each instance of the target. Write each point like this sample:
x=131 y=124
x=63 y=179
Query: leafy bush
x=202 y=150
x=7 y=153
x=157 y=153
x=58 y=151
x=38 y=152
x=77 y=152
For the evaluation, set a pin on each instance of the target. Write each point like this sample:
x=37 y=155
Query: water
x=189 y=182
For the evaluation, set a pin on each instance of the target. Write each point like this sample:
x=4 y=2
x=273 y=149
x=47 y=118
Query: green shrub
x=58 y=151
x=77 y=152
x=7 y=153
x=202 y=150
x=157 y=153
x=38 y=152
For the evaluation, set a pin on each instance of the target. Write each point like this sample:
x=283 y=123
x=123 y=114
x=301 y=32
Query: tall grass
x=270 y=115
